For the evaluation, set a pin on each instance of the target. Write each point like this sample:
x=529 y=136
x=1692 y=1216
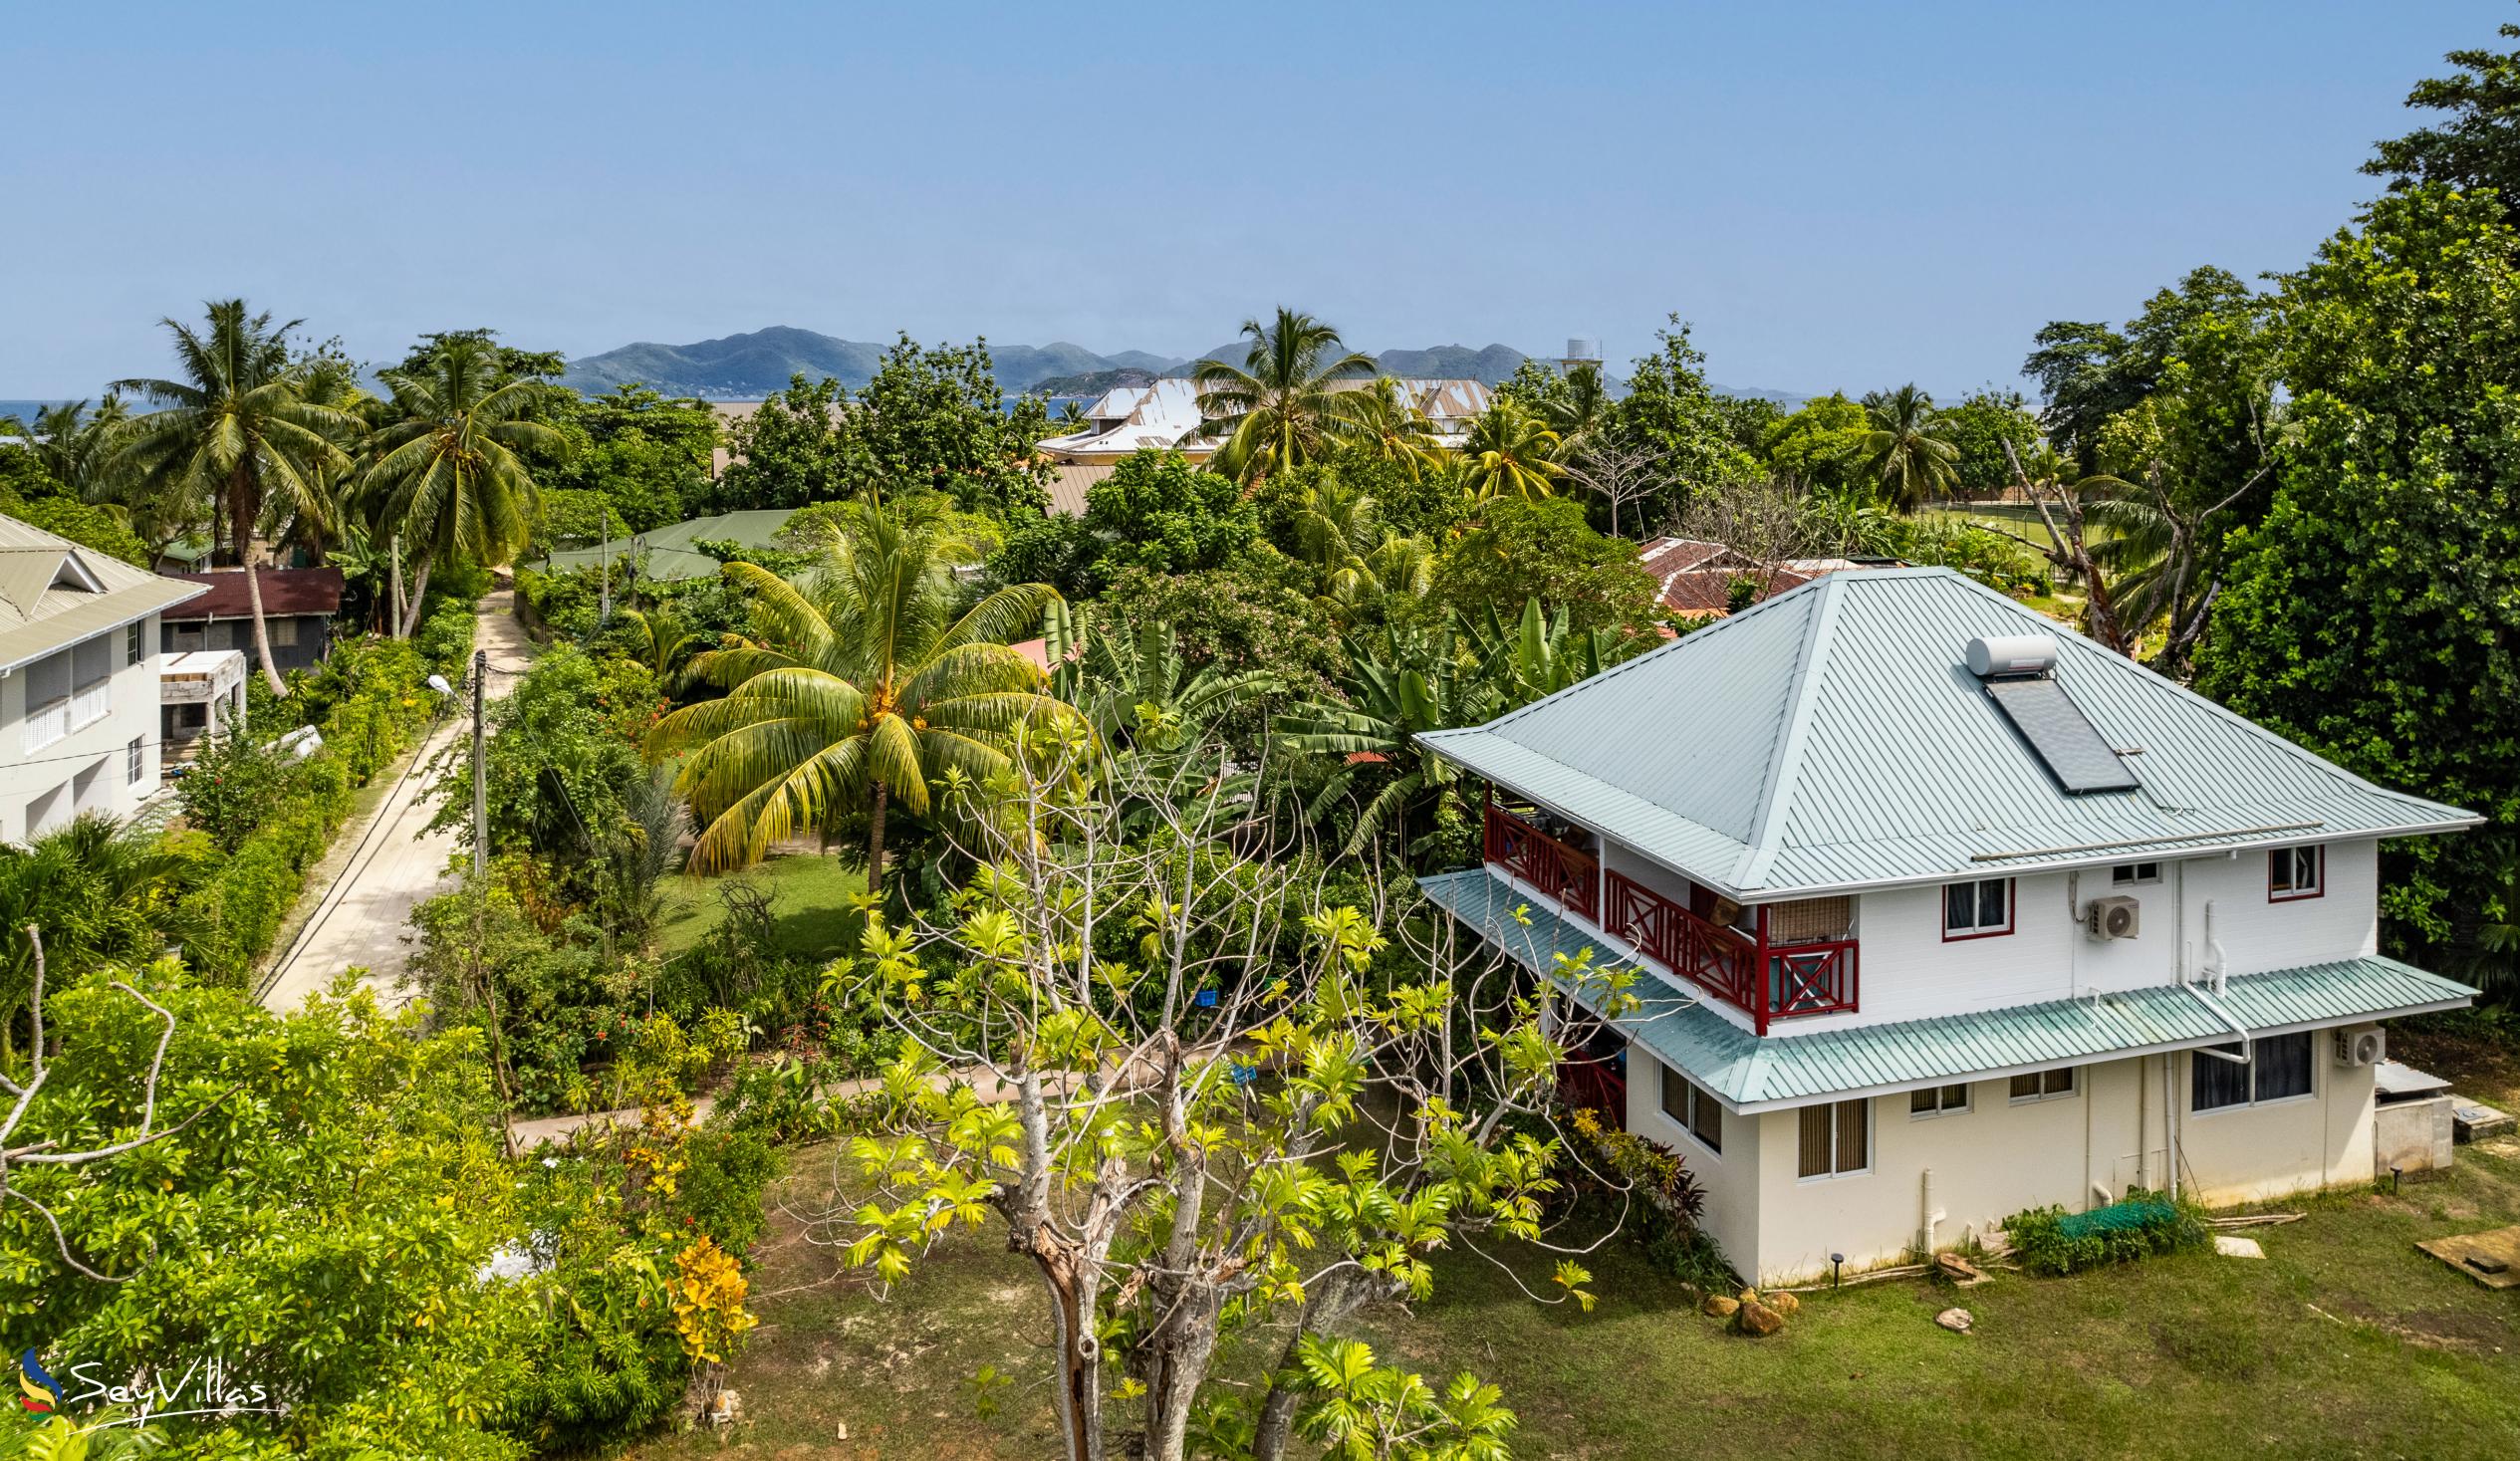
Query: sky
x=1836 y=197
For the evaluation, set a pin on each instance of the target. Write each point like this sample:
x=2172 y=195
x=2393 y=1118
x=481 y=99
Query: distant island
x=750 y=366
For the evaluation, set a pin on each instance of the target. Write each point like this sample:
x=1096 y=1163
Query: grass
x=809 y=905
x=2343 y=1341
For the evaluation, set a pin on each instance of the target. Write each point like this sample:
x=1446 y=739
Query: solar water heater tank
x=2011 y=654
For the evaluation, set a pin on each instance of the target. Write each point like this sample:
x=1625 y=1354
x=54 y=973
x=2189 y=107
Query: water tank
x=1583 y=349
x=2012 y=654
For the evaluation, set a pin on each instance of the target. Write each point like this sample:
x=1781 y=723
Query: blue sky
x=1836 y=195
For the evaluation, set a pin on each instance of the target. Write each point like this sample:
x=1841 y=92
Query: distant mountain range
x=750 y=366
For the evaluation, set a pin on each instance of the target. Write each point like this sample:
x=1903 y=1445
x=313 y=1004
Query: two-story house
x=1943 y=912
x=78 y=666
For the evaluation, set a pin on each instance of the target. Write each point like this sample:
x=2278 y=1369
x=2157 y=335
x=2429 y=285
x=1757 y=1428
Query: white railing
x=91 y=704
x=47 y=723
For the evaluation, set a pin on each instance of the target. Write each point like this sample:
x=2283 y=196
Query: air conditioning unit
x=2108 y=918
x=2366 y=1045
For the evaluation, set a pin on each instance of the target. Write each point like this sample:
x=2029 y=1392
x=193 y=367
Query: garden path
x=396 y=863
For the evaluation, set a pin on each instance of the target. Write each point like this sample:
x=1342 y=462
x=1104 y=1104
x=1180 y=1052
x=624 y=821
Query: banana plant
x=1400 y=684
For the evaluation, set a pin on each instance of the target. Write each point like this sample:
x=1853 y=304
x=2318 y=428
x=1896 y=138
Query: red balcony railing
x=1573 y=878
x=1723 y=961
x=1763 y=976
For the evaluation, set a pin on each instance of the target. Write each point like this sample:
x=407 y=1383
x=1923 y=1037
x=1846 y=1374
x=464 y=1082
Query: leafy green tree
x=448 y=473
x=1158 y=512
x=236 y=429
x=869 y=688
x=932 y=418
x=1908 y=451
x=790 y=452
x=2363 y=616
x=1510 y=452
x=2477 y=146
x=1670 y=413
x=1255 y=613
x=643 y=453
x=1544 y=549
x=1821 y=446
x=100 y=894
x=1978 y=428
x=1284 y=405
x=1166 y=1227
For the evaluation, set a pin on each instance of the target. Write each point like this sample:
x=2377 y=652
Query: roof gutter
x=22 y=661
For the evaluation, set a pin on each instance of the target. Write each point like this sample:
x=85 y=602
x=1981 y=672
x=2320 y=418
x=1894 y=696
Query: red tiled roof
x=1709 y=590
x=285 y=592
x=1680 y=555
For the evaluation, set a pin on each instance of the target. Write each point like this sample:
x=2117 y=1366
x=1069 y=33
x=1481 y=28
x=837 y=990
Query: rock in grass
x=1957 y=1321
x=1718 y=1307
x=1757 y=1320
x=1784 y=1304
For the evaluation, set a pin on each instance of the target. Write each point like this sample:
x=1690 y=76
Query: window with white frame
x=2278 y=1067
x=2043 y=1085
x=131 y=760
x=1938 y=1101
x=133 y=650
x=1977 y=909
x=1692 y=1110
x=2134 y=874
x=2296 y=872
x=1836 y=1140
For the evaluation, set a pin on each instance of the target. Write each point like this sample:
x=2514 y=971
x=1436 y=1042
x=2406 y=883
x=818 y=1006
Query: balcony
x=1783 y=968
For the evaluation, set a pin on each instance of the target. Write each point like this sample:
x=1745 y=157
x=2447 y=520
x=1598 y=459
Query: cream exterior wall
x=133 y=702
x=2000 y=1156
x=1731 y=1177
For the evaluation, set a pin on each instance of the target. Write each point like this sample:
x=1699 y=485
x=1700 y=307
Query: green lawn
x=809 y=904
x=2343 y=1341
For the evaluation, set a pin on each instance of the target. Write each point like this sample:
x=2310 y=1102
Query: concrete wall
x=2001 y=1156
x=96 y=753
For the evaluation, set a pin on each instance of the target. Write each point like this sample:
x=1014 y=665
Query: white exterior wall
x=28 y=780
x=1909 y=971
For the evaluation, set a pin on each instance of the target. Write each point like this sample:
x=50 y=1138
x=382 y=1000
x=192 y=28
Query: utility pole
x=604 y=519
x=394 y=605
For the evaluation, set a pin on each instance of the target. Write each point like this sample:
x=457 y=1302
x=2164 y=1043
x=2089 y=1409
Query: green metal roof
x=1750 y=1073
x=1831 y=738
x=670 y=551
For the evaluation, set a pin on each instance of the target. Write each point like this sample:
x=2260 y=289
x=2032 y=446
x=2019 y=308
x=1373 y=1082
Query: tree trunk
x=874 y=844
x=419 y=593
x=262 y=631
x=1334 y=1299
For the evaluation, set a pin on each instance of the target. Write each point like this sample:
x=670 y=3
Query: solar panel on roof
x=2061 y=734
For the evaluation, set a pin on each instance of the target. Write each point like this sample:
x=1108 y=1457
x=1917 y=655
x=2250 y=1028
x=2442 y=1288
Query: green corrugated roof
x=670 y=553
x=1831 y=738
x=1751 y=1074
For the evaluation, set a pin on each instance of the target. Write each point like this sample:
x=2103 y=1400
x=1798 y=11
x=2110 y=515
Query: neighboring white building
x=1944 y=913
x=79 y=680
x=1165 y=417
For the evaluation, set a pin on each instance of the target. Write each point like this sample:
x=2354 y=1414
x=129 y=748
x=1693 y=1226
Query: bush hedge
x=2049 y=1240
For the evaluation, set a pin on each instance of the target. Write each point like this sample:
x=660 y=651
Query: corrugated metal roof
x=1831 y=737
x=1751 y=1074
x=38 y=616
x=670 y=550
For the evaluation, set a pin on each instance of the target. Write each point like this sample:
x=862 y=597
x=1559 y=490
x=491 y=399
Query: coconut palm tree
x=238 y=430
x=1579 y=413
x=1388 y=426
x=1281 y=406
x=1511 y=452
x=76 y=444
x=1908 y=451
x=446 y=475
x=868 y=687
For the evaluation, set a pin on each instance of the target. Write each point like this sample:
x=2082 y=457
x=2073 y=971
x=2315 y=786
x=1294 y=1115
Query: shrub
x=2050 y=1240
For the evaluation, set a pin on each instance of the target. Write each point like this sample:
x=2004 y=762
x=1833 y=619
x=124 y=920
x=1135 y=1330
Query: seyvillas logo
x=43 y=1395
